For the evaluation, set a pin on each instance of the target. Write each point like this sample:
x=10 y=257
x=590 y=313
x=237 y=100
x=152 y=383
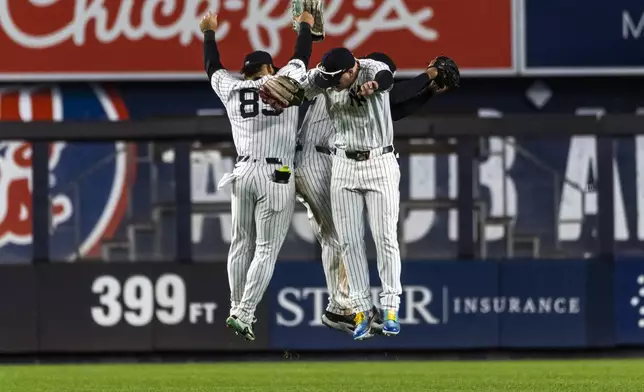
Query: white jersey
x=359 y=126
x=258 y=130
x=317 y=128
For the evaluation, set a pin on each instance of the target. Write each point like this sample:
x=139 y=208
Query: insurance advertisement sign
x=445 y=305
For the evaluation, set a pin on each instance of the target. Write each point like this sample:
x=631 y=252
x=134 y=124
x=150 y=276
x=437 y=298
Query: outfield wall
x=453 y=305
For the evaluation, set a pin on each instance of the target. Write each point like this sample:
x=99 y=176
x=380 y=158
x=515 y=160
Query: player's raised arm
x=409 y=96
x=220 y=79
x=409 y=89
x=296 y=67
x=436 y=79
x=304 y=43
x=212 y=60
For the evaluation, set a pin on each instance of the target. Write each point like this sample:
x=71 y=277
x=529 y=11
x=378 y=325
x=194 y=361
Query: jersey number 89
x=249 y=104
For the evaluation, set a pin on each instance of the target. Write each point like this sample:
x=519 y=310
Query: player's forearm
x=304 y=44
x=385 y=80
x=409 y=89
x=212 y=62
x=410 y=106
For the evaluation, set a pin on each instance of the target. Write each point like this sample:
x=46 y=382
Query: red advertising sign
x=154 y=39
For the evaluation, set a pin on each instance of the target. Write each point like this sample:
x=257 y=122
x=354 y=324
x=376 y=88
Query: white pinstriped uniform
x=261 y=209
x=313 y=186
x=373 y=182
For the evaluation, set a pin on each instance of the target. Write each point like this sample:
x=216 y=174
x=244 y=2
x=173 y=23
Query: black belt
x=364 y=155
x=270 y=161
x=324 y=150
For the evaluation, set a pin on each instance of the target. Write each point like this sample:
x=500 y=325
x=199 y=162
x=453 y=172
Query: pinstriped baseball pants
x=261 y=216
x=313 y=185
x=373 y=183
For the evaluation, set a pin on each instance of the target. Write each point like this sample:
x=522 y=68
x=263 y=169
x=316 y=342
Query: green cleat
x=241 y=328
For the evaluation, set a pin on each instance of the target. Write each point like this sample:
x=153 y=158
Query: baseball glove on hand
x=313 y=7
x=281 y=92
x=448 y=74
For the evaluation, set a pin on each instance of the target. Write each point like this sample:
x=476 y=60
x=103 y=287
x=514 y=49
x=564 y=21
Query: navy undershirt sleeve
x=408 y=89
x=304 y=44
x=212 y=62
x=385 y=79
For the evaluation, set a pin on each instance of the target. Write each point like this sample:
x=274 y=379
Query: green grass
x=515 y=376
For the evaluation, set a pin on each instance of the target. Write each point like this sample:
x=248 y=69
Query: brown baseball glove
x=314 y=7
x=281 y=92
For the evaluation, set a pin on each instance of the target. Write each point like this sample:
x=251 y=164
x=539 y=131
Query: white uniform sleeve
x=224 y=84
x=308 y=83
x=372 y=68
x=294 y=69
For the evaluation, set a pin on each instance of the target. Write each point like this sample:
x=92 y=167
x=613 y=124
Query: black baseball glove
x=448 y=74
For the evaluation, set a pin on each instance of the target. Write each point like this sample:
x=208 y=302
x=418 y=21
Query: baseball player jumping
x=364 y=170
x=313 y=181
x=263 y=194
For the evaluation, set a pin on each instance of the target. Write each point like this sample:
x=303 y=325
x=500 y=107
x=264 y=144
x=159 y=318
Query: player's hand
x=305 y=17
x=368 y=88
x=444 y=74
x=208 y=22
x=432 y=72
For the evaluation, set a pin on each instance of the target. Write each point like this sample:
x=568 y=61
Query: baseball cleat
x=338 y=322
x=241 y=328
x=363 y=325
x=391 y=326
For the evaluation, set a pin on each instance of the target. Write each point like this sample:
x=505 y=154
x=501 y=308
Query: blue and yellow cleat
x=391 y=326
x=363 y=325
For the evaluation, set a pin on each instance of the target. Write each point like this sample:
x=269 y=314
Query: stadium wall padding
x=452 y=305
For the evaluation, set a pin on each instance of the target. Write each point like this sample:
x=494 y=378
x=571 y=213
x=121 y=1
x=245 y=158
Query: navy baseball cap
x=257 y=58
x=383 y=58
x=334 y=63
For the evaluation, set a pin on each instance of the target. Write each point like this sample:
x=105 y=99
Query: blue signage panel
x=444 y=305
x=546 y=303
x=629 y=301
x=583 y=36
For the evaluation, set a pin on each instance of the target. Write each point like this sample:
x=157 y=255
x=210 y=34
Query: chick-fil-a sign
x=142 y=39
